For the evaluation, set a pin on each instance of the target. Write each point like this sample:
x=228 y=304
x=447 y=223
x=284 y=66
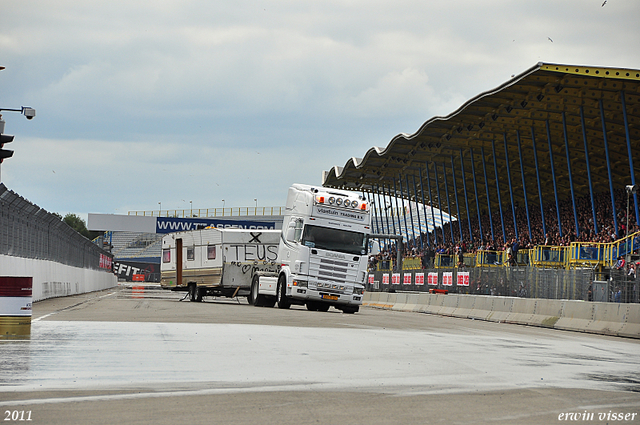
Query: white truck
x=319 y=259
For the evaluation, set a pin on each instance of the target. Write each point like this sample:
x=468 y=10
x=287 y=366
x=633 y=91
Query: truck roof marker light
x=320 y=199
x=363 y=207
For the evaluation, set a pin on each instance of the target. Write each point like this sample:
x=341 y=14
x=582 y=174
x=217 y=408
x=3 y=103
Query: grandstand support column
x=553 y=177
x=606 y=151
x=404 y=208
x=466 y=200
x=415 y=196
x=381 y=211
x=513 y=207
x=475 y=189
x=376 y=210
x=435 y=170
x=393 y=223
x=424 y=206
x=535 y=160
x=633 y=176
x=433 y=215
x=395 y=192
x=524 y=186
x=446 y=190
x=573 y=197
x=486 y=187
x=455 y=189
x=495 y=169
x=413 y=228
x=586 y=157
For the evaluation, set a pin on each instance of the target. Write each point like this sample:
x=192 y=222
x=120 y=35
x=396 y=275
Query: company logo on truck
x=333 y=212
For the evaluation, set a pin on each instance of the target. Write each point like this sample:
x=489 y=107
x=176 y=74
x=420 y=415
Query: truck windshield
x=335 y=240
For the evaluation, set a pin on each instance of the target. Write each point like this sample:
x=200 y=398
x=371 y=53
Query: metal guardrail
x=212 y=212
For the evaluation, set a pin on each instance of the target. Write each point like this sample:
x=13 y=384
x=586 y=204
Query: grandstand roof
x=545 y=93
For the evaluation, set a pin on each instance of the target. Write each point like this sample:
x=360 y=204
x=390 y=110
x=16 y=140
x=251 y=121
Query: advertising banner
x=433 y=279
x=463 y=278
x=406 y=279
x=174 y=224
x=127 y=270
x=395 y=279
x=385 y=279
x=419 y=278
x=447 y=278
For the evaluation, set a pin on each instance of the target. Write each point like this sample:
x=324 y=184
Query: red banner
x=395 y=279
x=447 y=278
x=463 y=278
x=406 y=279
x=433 y=279
x=419 y=278
x=11 y=286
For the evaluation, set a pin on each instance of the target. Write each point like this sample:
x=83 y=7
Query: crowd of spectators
x=441 y=241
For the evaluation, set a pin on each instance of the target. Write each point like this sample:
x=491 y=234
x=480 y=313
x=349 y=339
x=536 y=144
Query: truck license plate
x=329 y=297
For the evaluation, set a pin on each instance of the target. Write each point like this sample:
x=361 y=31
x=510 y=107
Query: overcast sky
x=177 y=101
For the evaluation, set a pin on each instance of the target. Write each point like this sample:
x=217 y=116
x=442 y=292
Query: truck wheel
x=312 y=306
x=323 y=307
x=256 y=299
x=193 y=289
x=281 y=298
x=199 y=294
x=350 y=310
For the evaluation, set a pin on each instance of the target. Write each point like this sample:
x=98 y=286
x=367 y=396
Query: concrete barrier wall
x=51 y=279
x=593 y=317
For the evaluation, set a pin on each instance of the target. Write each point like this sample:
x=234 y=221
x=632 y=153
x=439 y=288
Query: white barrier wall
x=51 y=279
x=582 y=316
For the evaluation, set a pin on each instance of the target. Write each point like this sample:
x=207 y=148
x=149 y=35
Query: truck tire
x=193 y=289
x=350 y=310
x=257 y=299
x=281 y=297
x=199 y=294
x=312 y=306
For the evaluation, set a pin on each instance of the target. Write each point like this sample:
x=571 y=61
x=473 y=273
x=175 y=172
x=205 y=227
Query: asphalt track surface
x=132 y=356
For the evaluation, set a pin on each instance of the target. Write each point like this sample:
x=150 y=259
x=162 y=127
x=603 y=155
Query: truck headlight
x=301 y=283
x=358 y=290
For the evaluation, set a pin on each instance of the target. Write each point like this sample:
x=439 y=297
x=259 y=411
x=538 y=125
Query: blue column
x=435 y=169
x=553 y=176
x=486 y=186
x=415 y=196
x=535 y=160
x=424 y=206
x=606 y=151
x=466 y=201
x=455 y=189
x=495 y=168
x=433 y=216
x=566 y=148
x=513 y=207
x=381 y=211
x=633 y=176
x=375 y=212
x=475 y=189
x=524 y=186
x=586 y=156
x=393 y=223
x=446 y=188
x=413 y=228
x=406 y=229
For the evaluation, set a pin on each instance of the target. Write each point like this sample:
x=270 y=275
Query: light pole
x=160 y=212
x=191 y=203
x=256 y=200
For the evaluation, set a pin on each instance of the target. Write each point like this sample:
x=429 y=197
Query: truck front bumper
x=302 y=293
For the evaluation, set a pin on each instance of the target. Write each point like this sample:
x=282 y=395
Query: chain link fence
x=28 y=231
x=524 y=282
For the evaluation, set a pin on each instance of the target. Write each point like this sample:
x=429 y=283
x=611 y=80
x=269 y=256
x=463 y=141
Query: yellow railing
x=212 y=212
x=549 y=256
x=490 y=258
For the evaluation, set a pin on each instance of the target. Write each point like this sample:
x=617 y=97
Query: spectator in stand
x=620 y=264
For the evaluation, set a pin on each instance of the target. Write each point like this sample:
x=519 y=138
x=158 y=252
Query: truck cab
x=322 y=251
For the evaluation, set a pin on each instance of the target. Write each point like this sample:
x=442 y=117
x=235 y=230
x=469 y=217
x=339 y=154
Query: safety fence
x=212 y=212
x=524 y=282
x=28 y=231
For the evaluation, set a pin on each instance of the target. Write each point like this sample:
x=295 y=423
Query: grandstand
x=543 y=163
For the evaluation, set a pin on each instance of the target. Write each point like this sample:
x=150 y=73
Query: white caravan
x=220 y=262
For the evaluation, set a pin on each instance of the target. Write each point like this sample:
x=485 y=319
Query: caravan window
x=211 y=252
x=191 y=253
x=166 y=255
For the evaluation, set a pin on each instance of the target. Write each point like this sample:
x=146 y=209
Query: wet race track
x=134 y=355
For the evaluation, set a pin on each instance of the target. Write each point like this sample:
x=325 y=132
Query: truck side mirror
x=291 y=232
